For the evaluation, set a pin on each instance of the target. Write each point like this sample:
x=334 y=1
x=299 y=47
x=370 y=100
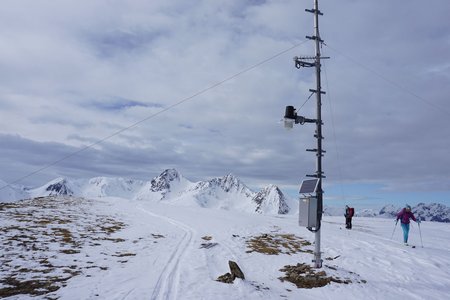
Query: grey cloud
x=123 y=42
x=61 y=120
x=157 y=53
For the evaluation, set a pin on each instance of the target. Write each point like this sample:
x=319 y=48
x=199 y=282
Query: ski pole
x=394 y=229
x=420 y=232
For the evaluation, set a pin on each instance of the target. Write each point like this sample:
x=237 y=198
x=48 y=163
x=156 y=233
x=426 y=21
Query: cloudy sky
x=130 y=88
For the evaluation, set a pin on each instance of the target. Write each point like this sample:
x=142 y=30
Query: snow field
x=160 y=253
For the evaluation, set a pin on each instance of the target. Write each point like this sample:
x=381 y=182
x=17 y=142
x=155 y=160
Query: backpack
x=351 y=212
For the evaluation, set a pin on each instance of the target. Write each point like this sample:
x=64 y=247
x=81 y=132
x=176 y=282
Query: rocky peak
x=261 y=195
x=59 y=187
x=271 y=198
x=432 y=212
x=230 y=182
x=389 y=211
x=162 y=182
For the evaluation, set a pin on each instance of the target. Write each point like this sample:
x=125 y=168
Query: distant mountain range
x=227 y=192
x=435 y=212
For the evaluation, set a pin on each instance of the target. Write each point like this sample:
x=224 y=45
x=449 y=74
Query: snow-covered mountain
x=116 y=187
x=227 y=192
x=10 y=193
x=271 y=199
x=94 y=187
x=432 y=212
x=168 y=185
x=58 y=186
x=426 y=212
x=367 y=212
x=333 y=211
x=389 y=211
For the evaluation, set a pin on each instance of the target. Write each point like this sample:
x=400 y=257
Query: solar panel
x=309 y=186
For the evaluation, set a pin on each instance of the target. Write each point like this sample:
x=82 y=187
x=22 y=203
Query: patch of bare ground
x=304 y=276
x=43 y=237
x=278 y=243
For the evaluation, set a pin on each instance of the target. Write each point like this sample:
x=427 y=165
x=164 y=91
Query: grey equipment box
x=307 y=212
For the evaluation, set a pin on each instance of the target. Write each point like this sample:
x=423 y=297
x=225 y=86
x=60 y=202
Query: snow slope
x=177 y=252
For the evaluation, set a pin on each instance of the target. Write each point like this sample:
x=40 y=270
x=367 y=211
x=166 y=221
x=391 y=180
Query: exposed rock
x=226 y=278
x=235 y=270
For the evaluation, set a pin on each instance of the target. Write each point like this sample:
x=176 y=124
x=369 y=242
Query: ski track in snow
x=168 y=282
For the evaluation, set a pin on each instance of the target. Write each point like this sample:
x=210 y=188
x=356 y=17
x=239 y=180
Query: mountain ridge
x=227 y=192
x=435 y=212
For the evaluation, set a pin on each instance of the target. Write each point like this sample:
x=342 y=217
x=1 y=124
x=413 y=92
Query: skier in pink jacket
x=404 y=215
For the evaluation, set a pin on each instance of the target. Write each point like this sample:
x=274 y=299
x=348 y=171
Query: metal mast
x=314 y=61
x=319 y=172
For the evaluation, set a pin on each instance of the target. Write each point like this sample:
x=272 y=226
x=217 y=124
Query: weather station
x=311 y=192
x=307 y=212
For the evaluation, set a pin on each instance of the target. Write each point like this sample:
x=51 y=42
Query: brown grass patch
x=304 y=276
x=31 y=287
x=41 y=230
x=274 y=244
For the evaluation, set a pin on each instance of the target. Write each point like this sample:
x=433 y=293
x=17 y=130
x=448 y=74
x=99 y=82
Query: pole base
x=317 y=263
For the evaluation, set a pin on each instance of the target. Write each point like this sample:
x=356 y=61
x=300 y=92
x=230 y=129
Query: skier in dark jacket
x=404 y=215
x=349 y=212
